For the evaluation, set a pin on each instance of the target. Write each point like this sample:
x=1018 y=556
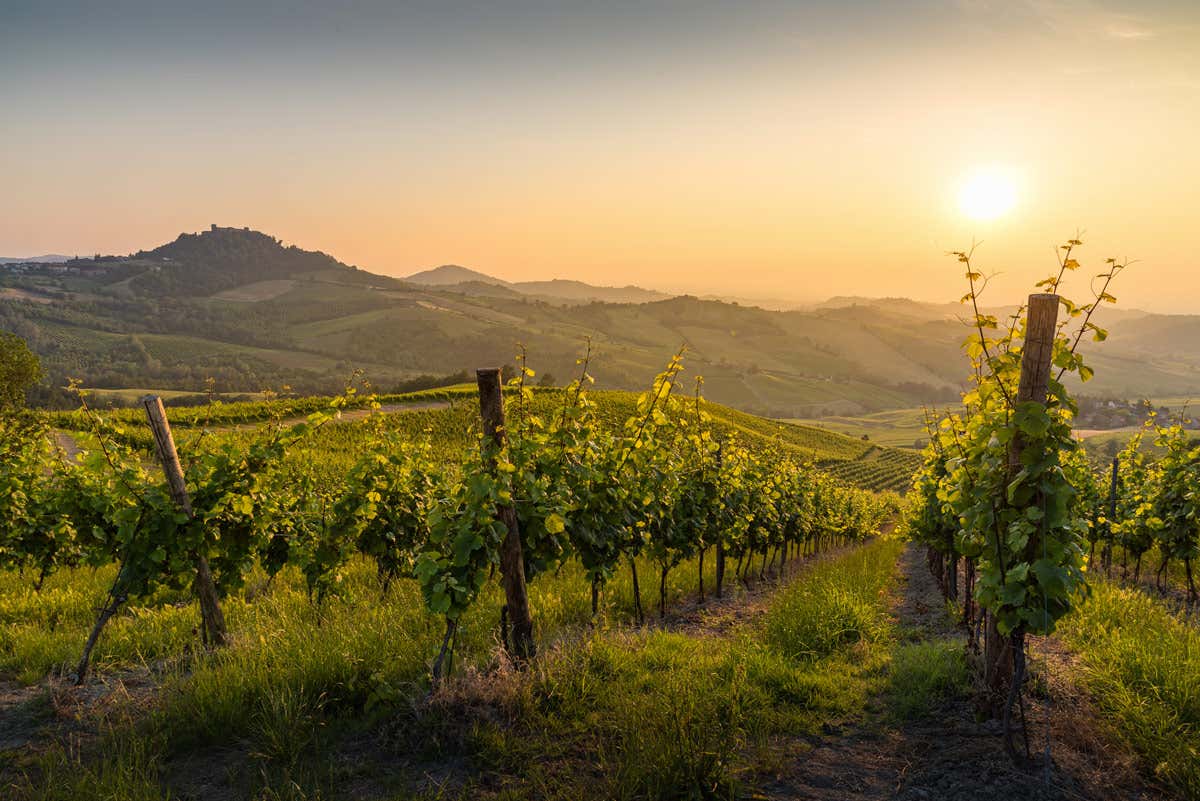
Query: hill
x=578 y=291
x=558 y=290
x=221 y=258
x=241 y=308
x=449 y=274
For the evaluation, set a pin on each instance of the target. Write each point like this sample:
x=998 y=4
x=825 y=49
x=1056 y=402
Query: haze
x=757 y=149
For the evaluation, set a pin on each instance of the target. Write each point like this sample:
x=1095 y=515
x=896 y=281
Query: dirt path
x=67 y=444
x=951 y=755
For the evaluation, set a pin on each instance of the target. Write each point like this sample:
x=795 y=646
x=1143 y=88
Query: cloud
x=1089 y=19
x=1128 y=29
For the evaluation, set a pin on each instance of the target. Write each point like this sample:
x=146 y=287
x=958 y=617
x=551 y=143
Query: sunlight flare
x=987 y=193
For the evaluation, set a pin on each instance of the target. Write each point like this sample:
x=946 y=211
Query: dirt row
x=952 y=754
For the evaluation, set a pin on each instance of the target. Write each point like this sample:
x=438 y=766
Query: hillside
x=450 y=274
x=241 y=308
x=454 y=278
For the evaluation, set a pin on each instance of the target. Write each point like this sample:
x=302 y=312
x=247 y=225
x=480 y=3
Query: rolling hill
x=559 y=290
x=241 y=308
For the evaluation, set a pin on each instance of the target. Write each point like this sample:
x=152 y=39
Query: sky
x=783 y=150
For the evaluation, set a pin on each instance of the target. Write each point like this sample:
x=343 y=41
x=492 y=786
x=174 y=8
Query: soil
x=952 y=754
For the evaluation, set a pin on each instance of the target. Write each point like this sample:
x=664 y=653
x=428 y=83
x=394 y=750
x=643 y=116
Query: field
x=897 y=428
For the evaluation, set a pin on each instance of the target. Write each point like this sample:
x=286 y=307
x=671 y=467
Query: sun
x=987 y=193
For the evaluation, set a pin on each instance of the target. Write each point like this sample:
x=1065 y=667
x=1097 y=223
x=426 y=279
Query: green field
x=897 y=428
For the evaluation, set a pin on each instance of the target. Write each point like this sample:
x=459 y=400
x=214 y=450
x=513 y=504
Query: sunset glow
x=987 y=194
x=701 y=147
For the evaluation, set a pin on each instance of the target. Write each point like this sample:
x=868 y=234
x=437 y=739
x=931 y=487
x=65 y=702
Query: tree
x=19 y=370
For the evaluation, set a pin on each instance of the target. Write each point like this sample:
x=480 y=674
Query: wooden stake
x=206 y=590
x=1106 y=553
x=720 y=574
x=512 y=561
x=1041 y=325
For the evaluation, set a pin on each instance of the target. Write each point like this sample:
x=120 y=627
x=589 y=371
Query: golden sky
x=763 y=149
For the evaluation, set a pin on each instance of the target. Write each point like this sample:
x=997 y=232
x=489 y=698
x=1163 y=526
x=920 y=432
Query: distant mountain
x=222 y=258
x=558 y=290
x=927 y=310
x=49 y=258
x=449 y=274
x=916 y=307
x=215 y=261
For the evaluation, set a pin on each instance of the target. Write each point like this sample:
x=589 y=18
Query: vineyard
x=559 y=481
x=878 y=469
x=1022 y=528
x=449 y=420
x=498 y=590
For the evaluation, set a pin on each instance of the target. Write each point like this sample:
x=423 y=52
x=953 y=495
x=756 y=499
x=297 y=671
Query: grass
x=606 y=712
x=924 y=676
x=42 y=632
x=661 y=714
x=1139 y=662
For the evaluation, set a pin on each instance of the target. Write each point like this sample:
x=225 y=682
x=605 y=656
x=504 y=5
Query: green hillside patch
x=900 y=428
x=258 y=291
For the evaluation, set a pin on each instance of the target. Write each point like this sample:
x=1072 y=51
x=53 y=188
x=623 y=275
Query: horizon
x=769 y=151
x=782 y=303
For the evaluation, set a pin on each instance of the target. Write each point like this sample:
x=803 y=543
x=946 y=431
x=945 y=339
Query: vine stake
x=512 y=562
x=206 y=589
x=1036 y=355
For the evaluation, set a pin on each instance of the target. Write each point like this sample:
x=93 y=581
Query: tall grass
x=1142 y=664
x=687 y=715
x=926 y=675
x=42 y=631
x=615 y=712
x=834 y=606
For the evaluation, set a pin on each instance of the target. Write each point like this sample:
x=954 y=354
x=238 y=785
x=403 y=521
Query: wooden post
x=720 y=573
x=512 y=561
x=1036 y=353
x=1106 y=553
x=206 y=590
